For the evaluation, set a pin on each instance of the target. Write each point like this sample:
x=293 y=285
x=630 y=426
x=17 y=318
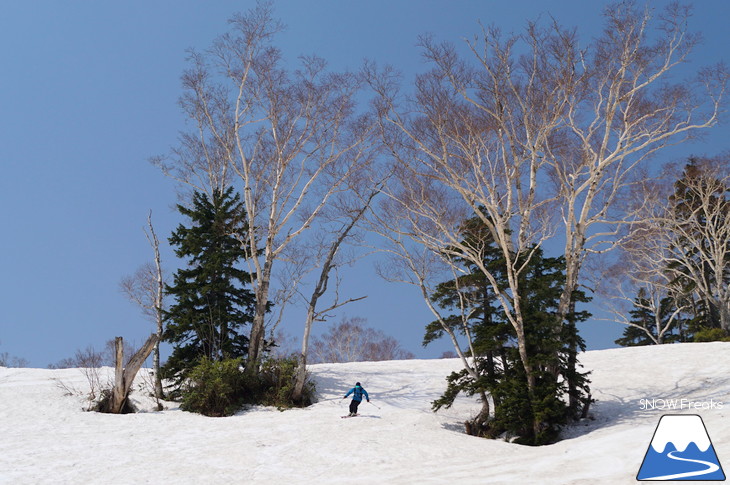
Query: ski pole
x=374 y=404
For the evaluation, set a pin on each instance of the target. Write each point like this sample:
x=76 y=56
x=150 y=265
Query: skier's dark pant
x=353 y=406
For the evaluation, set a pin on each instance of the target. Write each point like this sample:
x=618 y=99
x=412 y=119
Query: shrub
x=215 y=388
x=276 y=384
x=221 y=388
x=711 y=335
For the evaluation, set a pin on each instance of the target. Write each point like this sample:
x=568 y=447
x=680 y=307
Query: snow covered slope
x=45 y=437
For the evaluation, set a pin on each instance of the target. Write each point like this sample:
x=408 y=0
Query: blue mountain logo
x=681 y=450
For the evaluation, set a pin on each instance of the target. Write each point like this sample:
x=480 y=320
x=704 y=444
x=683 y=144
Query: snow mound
x=47 y=438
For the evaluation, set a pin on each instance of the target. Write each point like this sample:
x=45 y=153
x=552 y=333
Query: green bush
x=276 y=384
x=711 y=335
x=215 y=388
x=222 y=388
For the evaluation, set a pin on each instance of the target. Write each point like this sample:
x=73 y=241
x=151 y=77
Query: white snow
x=46 y=438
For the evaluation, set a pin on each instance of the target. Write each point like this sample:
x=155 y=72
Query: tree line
x=541 y=140
x=676 y=257
x=507 y=147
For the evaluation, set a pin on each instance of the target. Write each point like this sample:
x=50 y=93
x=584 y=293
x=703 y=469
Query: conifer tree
x=212 y=304
x=641 y=316
x=501 y=375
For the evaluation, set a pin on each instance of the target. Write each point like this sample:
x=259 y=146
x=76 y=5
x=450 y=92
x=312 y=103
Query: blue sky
x=88 y=93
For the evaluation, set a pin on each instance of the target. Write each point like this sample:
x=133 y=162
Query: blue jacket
x=359 y=391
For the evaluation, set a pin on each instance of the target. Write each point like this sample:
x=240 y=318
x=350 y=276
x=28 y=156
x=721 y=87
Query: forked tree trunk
x=124 y=376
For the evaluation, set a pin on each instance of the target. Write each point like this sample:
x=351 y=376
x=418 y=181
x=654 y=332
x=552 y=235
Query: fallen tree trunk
x=124 y=376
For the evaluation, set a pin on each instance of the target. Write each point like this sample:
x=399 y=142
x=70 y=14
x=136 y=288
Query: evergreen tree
x=502 y=375
x=490 y=330
x=211 y=302
x=550 y=346
x=642 y=316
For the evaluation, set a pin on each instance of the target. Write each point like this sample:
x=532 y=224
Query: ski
x=349 y=416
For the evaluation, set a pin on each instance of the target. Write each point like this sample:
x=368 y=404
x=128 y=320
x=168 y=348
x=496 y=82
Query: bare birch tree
x=476 y=141
x=290 y=139
x=485 y=137
x=638 y=274
x=685 y=234
x=146 y=288
x=623 y=106
x=352 y=341
x=353 y=211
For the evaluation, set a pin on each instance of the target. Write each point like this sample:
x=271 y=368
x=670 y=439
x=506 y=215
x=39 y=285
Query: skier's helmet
x=357 y=384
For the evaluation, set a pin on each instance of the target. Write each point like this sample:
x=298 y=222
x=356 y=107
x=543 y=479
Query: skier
x=356 y=398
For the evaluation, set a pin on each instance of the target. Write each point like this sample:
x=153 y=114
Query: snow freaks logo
x=681 y=450
x=679 y=404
